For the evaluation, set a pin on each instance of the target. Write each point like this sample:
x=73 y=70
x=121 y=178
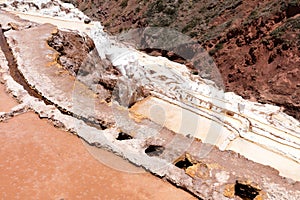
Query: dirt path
x=60 y=23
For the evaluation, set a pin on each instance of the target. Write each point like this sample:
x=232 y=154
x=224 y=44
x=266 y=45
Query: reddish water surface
x=6 y=102
x=39 y=161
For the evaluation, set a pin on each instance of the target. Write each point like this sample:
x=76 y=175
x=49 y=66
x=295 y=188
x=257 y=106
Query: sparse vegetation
x=107 y=24
x=193 y=34
x=292 y=24
x=253 y=15
x=190 y=25
x=278 y=32
x=218 y=47
x=124 y=3
x=137 y=9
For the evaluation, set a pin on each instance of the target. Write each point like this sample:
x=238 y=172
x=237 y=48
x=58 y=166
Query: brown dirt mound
x=72 y=47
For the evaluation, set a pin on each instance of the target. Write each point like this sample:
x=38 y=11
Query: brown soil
x=255 y=44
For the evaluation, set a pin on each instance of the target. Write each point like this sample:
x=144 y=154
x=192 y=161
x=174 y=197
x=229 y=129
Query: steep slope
x=255 y=44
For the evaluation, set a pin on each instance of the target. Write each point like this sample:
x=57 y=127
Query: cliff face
x=255 y=44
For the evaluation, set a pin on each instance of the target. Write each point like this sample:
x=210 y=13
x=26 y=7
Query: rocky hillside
x=255 y=44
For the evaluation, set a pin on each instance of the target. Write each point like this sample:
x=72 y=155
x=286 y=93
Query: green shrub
x=219 y=46
x=124 y=3
x=193 y=34
x=278 y=32
x=212 y=52
x=253 y=15
x=170 y=11
x=137 y=9
x=190 y=25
